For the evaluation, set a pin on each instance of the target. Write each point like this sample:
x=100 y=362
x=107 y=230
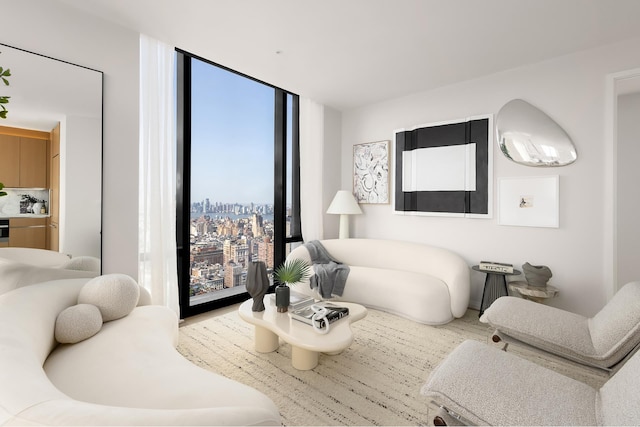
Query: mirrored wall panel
x=54 y=122
x=528 y=136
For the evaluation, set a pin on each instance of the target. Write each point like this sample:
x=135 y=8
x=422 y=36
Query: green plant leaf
x=292 y=271
x=3 y=114
x=6 y=82
x=4 y=99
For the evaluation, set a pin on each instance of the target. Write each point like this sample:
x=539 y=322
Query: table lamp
x=344 y=204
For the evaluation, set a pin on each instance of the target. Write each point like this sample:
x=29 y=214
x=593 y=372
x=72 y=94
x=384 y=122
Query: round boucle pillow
x=116 y=295
x=77 y=323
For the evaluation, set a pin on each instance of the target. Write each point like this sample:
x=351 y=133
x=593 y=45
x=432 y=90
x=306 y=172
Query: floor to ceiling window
x=238 y=181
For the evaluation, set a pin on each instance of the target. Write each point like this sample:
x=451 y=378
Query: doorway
x=623 y=127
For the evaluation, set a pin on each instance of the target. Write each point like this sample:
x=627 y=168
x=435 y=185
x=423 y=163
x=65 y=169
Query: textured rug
x=376 y=381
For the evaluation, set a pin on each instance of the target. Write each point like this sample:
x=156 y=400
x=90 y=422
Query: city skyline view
x=232 y=180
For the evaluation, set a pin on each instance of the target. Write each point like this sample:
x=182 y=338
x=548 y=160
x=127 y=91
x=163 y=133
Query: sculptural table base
x=306 y=344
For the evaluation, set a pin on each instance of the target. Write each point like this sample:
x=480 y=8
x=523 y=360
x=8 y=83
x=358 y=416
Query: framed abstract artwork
x=371 y=172
x=445 y=168
x=529 y=201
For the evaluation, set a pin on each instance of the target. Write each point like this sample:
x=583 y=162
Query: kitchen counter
x=5 y=216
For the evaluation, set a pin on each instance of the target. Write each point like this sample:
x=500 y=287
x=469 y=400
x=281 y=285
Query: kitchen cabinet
x=53 y=232
x=28 y=233
x=24 y=161
x=10 y=160
x=33 y=163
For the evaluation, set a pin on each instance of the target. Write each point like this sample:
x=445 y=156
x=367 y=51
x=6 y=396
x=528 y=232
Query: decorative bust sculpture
x=536 y=275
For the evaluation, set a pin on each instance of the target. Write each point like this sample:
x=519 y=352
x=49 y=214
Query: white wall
x=332 y=166
x=53 y=29
x=628 y=176
x=570 y=90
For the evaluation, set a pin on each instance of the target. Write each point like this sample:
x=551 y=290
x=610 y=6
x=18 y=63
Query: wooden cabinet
x=33 y=163
x=53 y=232
x=28 y=233
x=24 y=160
x=10 y=160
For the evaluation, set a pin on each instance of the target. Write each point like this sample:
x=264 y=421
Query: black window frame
x=183 y=179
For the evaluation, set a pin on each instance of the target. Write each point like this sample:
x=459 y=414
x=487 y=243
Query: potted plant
x=2 y=193
x=292 y=271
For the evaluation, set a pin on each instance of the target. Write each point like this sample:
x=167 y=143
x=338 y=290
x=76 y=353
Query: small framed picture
x=529 y=201
x=371 y=172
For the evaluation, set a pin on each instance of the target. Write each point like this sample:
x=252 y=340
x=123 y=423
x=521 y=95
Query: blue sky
x=232 y=137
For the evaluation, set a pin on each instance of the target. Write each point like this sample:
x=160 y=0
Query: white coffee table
x=306 y=344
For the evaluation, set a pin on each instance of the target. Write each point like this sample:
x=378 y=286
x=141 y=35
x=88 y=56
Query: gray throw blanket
x=330 y=275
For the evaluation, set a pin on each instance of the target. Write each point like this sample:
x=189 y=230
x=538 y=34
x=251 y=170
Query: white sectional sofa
x=14 y=274
x=129 y=373
x=53 y=259
x=420 y=282
x=26 y=266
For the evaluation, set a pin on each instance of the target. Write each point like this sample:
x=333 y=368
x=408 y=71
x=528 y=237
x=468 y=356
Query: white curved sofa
x=14 y=274
x=420 y=282
x=33 y=256
x=49 y=258
x=129 y=373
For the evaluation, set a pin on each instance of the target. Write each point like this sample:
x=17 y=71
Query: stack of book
x=298 y=300
x=495 y=267
x=334 y=313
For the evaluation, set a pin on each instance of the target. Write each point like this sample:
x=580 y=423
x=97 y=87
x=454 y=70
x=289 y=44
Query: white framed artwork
x=371 y=172
x=529 y=201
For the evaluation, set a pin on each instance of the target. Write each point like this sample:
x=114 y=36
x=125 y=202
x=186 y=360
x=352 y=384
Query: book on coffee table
x=299 y=300
x=334 y=313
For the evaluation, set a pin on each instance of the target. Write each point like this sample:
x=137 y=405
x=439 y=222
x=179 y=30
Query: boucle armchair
x=602 y=341
x=477 y=384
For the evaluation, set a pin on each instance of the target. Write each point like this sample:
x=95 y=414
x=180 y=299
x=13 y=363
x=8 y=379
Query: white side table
x=533 y=293
x=306 y=343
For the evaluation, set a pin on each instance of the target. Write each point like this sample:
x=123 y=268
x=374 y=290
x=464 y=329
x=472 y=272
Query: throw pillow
x=145 y=297
x=116 y=295
x=77 y=323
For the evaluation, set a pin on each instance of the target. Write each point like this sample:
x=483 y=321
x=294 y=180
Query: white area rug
x=376 y=381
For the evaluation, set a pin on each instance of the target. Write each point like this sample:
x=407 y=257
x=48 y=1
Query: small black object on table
x=495 y=286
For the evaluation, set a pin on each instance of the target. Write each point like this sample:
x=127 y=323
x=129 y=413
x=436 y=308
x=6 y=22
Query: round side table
x=533 y=293
x=495 y=286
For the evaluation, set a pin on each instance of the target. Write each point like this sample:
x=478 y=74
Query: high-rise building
x=265 y=251
x=232 y=274
x=256 y=225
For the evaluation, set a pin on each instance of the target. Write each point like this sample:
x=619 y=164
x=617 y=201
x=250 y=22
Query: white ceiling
x=349 y=53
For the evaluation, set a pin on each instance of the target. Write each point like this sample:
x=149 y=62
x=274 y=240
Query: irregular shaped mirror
x=529 y=137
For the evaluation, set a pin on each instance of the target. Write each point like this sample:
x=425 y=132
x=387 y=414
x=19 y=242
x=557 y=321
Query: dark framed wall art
x=445 y=169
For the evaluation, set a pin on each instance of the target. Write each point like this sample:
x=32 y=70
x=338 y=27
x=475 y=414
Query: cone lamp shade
x=344 y=204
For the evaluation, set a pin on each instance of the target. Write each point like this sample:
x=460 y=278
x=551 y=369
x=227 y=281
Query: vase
x=536 y=275
x=37 y=207
x=283 y=297
x=257 y=284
